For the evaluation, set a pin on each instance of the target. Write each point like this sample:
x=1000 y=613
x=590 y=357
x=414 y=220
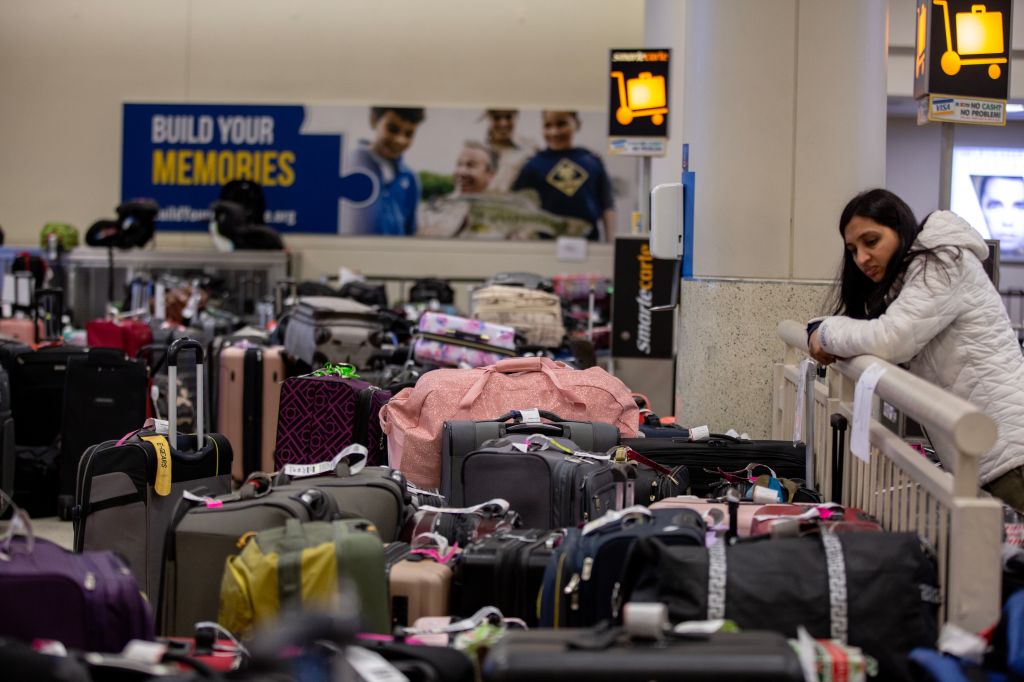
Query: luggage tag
x=863 y=395
x=354 y=455
x=635 y=513
x=493 y=507
x=162 y=484
x=371 y=666
x=210 y=502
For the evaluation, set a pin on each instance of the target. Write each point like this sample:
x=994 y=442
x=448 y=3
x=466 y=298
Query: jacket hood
x=944 y=228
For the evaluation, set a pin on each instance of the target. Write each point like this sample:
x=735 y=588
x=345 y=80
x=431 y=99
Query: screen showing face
x=988 y=191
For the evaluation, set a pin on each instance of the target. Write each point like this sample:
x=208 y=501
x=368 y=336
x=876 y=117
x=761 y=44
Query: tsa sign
x=962 y=48
x=638 y=102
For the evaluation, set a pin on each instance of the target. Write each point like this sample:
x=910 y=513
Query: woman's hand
x=815 y=351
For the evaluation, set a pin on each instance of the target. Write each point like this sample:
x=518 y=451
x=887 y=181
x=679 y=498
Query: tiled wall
x=728 y=344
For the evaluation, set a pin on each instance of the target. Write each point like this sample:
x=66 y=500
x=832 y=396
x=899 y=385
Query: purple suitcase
x=87 y=601
x=322 y=415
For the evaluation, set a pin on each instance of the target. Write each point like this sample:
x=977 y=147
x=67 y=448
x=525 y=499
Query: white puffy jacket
x=955 y=333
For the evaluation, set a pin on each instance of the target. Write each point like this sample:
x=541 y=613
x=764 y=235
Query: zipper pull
x=90 y=581
x=588 y=568
x=573 y=584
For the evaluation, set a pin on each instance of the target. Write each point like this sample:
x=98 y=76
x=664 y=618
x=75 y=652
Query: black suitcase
x=459 y=438
x=6 y=436
x=721 y=452
x=104 y=398
x=37 y=390
x=596 y=655
x=504 y=570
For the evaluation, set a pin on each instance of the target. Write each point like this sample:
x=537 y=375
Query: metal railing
x=903 y=489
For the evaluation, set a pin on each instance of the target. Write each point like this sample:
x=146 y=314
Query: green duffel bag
x=305 y=566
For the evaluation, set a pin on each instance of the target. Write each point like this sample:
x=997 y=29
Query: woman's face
x=871 y=245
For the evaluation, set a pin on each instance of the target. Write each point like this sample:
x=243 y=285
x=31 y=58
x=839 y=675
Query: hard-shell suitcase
x=419 y=585
x=595 y=655
x=248 y=397
x=320 y=415
x=721 y=452
x=127 y=490
x=505 y=570
x=459 y=438
x=453 y=341
x=87 y=601
x=104 y=398
x=21 y=329
x=328 y=329
x=204 y=532
x=548 y=481
x=579 y=588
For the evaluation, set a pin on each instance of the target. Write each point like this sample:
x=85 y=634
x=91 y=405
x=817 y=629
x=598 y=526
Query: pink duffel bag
x=414 y=418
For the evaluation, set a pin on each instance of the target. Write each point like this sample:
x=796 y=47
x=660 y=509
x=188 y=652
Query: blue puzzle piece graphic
x=357 y=187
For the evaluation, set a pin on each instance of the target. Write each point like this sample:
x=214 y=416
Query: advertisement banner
x=638 y=104
x=390 y=171
x=641 y=283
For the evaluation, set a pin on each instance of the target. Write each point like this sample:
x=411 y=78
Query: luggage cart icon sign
x=978 y=32
x=640 y=96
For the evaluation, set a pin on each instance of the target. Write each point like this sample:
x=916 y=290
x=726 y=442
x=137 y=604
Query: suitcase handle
x=172 y=390
x=517 y=415
x=545 y=429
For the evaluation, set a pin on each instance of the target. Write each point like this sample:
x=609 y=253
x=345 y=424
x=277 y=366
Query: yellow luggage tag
x=162 y=486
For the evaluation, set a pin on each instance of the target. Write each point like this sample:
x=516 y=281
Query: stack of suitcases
x=499 y=518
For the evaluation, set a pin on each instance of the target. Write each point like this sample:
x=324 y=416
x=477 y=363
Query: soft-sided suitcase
x=452 y=341
x=537 y=315
x=320 y=415
x=580 y=581
x=204 y=533
x=248 y=397
x=413 y=419
x=459 y=438
x=548 y=481
x=7 y=456
x=104 y=398
x=87 y=601
x=37 y=390
x=505 y=570
x=126 y=335
x=127 y=489
x=544 y=655
x=327 y=329
x=722 y=452
x=876 y=591
x=418 y=583
x=378 y=494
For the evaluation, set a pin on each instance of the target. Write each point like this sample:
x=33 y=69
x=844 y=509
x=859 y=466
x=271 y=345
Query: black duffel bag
x=877 y=591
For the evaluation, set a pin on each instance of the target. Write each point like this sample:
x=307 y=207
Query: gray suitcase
x=328 y=329
x=463 y=437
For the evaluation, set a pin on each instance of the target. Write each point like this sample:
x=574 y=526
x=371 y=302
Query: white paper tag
x=498 y=506
x=521 y=447
x=531 y=416
x=161 y=426
x=700 y=433
x=572 y=249
x=359 y=455
x=801 y=402
x=806 y=651
x=144 y=652
x=699 y=627
x=371 y=666
x=765 y=495
x=860 y=434
x=636 y=511
x=8 y=294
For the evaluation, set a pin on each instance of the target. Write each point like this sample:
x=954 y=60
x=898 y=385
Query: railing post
x=975 y=566
x=778 y=399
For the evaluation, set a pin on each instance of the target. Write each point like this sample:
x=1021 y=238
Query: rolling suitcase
x=320 y=415
x=459 y=438
x=505 y=570
x=126 y=335
x=87 y=601
x=104 y=398
x=419 y=585
x=597 y=655
x=7 y=454
x=722 y=452
x=452 y=341
x=327 y=329
x=248 y=397
x=127 y=490
x=204 y=532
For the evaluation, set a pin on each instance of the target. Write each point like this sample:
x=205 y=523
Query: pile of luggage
x=500 y=516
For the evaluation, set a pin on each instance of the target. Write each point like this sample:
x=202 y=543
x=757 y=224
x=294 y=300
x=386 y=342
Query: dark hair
x=572 y=114
x=408 y=114
x=855 y=294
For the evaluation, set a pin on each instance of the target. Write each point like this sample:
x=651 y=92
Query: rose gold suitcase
x=248 y=396
x=747 y=511
x=419 y=585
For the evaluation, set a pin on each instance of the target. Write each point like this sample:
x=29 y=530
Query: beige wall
x=66 y=67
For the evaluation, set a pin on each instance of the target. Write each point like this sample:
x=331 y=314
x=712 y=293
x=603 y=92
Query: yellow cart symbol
x=922 y=39
x=977 y=32
x=646 y=97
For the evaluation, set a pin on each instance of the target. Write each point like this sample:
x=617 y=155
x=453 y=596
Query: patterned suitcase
x=452 y=341
x=322 y=415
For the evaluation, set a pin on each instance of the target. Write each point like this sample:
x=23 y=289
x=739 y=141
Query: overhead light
x=1014 y=108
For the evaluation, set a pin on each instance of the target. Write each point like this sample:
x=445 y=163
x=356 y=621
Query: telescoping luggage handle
x=172 y=390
